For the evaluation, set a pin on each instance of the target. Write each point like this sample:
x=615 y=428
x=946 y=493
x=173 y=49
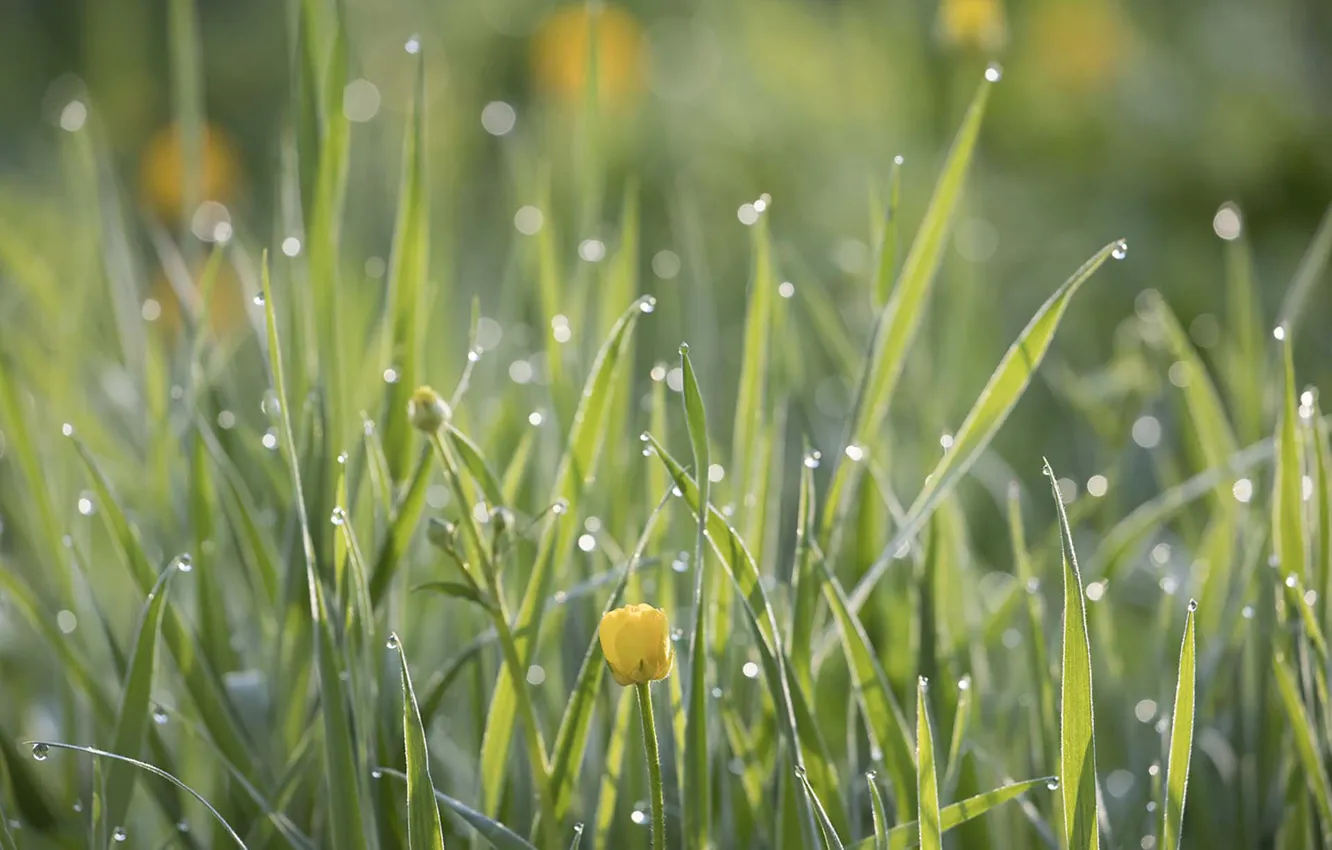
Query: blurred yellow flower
x=226 y=303
x=975 y=24
x=636 y=641
x=1078 y=45
x=426 y=410
x=162 y=171
x=560 y=52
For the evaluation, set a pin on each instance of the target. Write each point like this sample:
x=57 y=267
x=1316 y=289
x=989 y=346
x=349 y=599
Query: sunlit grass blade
x=1039 y=654
x=1310 y=271
x=408 y=267
x=499 y=835
x=576 y=467
x=905 y=308
x=697 y=786
x=927 y=787
x=611 y=776
x=961 y=723
x=878 y=814
x=1181 y=739
x=907 y=834
x=402 y=525
x=156 y=771
x=135 y=712
x=885 y=266
x=1287 y=490
x=1077 y=740
x=475 y=461
x=884 y=720
x=805 y=584
x=828 y=832
x=1304 y=736
x=423 y=826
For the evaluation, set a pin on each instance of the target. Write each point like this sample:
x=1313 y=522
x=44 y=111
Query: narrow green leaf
x=1077 y=740
x=878 y=813
x=886 y=248
x=1029 y=586
x=456 y=589
x=996 y=401
x=907 y=834
x=927 y=787
x=1181 y=739
x=135 y=712
x=423 y=826
x=475 y=461
x=611 y=777
x=805 y=584
x=961 y=722
x=697 y=786
x=1305 y=738
x=1287 y=489
x=402 y=526
x=1311 y=269
x=827 y=831
x=499 y=835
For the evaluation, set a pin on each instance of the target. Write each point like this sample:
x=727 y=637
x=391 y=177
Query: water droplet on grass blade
x=1053 y=784
x=393 y=640
x=40 y=751
x=184 y=562
x=994 y=72
x=159 y=715
x=813 y=459
x=376 y=774
x=258 y=299
x=1120 y=251
x=339 y=516
x=1193 y=605
x=119 y=834
x=639 y=817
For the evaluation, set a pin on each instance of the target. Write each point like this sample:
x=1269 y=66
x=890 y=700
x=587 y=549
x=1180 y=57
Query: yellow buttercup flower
x=636 y=641
x=977 y=24
x=162 y=171
x=559 y=52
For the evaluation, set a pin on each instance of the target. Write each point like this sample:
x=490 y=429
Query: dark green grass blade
x=423 y=827
x=1077 y=742
x=827 y=832
x=697 y=786
x=499 y=835
x=1181 y=739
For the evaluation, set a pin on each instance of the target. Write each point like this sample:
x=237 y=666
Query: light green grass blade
x=402 y=525
x=749 y=397
x=827 y=832
x=611 y=777
x=907 y=834
x=961 y=723
x=408 y=267
x=1287 y=489
x=475 y=461
x=1311 y=269
x=878 y=813
x=1077 y=740
x=805 y=583
x=905 y=309
x=886 y=245
x=347 y=822
x=135 y=712
x=1305 y=738
x=497 y=834
x=697 y=785
x=996 y=401
x=1181 y=739
x=1244 y=358
x=884 y=720
x=577 y=466
x=927 y=783
x=423 y=827
x=1039 y=653
x=156 y=771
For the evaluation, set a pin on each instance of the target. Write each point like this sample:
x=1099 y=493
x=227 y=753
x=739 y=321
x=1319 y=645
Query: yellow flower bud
x=977 y=24
x=560 y=48
x=427 y=410
x=636 y=641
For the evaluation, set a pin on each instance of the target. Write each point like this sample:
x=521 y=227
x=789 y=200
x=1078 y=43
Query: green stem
x=654 y=766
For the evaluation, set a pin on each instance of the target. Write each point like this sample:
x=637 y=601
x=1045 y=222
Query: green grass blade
x=1077 y=740
x=1181 y=739
x=907 y=834
x=927 y=783
x=991 y=408
x=156 y=771
x=1305 y=738
x=423 y=827
x=828 y=832
x=402 y=525
x=1039 y=653
x=475 y=461
x=884 y=720
x=886 y=247
x=697 y=786
x=499 y=835
x=611 y=778
x=1287 y=489
x=905 y=309
x=878 y=813
x=408 y=267
x=804 y=584
x=135 y=713
x=1311 y=269
x=577 y=466
x=961 y=722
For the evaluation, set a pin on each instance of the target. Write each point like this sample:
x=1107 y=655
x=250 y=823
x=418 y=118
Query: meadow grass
x=248 y=599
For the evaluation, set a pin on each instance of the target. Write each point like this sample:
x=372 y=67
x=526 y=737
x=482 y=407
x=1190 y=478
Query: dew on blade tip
x=184 y=562
x=159 y=715
x=994 y=72
x=1193 y=605
x=119 y=834
x=924 y=683
x=647 y=304
x=1053 y=784
x=393 y=642
x=259 y=300
x=1120 y=251
x=40 y=751
x=376 y=774
x=339 y=516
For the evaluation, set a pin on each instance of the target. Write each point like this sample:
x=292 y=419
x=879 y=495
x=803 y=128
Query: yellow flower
x=427 y=411
x=1079 y=46
x=636 y=641
x=973 y=23
x=560 y=47
x=162 y=171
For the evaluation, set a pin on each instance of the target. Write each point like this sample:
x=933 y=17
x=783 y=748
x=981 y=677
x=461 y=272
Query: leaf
x=697 y=801
x=1312 y=267
x=878 y=813
x=906 y=835
x=475 y=461
x=135 y=710
x=886 y=248
x=423 y=827
x=826 y=829
x=996 y=401
x=1305 y=738
x=1077 y=740
x=805 y=583
x=499 y=835
x=927 y=788
x=457 y=590
x=611 y=777
x=1181 y=739
x=1287 y=495
x=402 y=526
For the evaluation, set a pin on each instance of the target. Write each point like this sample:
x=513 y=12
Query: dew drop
x=716 y=693
x=342 y=458
x=924 y=683
x=639 y=817
x=78 y=806
x=964 y=684
x=1053 y=784
x=871 y=775
x=40 y=751
x=559 y=507
x=1193 y=605
x=159 y=715
x=1290 y=581
x=182 y=827
x=67 y=429
x=376 y=774
x=647 y=304
x=1033 y=585
x=413 y=45
x=259 y=299
x=1279 y=332
x=393 y=640
x=800 y=770
x=339 y=516
x=684 y=348
x=368 y=427
x=119 y=834
x=578 y=828
x=813 y=459
x=994 y=72
x=184 y=562
x=1120 y=251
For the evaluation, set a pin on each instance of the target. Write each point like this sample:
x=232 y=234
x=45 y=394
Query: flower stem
x=654 y=766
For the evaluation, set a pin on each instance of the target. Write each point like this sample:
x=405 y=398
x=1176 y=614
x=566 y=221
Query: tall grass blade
x=907 y=834
x=1181 y=739
x=1304 y=736
x=878 y=813
x=886 y=246
x=423 y=827
x=697 y=786
x=497 y=834
x=1287 y=490
x=927 y=783
x=1312 y=267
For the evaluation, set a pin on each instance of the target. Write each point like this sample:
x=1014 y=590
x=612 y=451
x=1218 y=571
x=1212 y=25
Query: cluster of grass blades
x=384 y=633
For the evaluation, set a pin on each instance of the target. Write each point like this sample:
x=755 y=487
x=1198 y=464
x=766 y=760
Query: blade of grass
x=907 y=834
x=927 y=788
x=1002 y=392
x=804 y=583
x=499 y=835
x=878 y=813
x=402 y=525
x=611 y=777
x=697 y=787
x=1287 y=488
x=886 y=243
x=1077 y=739
x=423 y=827
x=1310 y=271
x=827 y=831
x=1181 y=739
x=1305 y=739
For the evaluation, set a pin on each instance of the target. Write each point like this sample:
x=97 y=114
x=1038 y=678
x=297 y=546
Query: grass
x=243 y=601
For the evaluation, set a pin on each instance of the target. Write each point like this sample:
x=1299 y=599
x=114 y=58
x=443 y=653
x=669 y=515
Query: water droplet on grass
x=339 y=516
x=994 y=72
x=159 y=715
x=184 y=562
x=119 y=834
x=393 y=640
x=259 y=300
x=1120 y=251
x=40 y=751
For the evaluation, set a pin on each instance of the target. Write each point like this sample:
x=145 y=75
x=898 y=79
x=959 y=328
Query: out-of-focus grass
x=228 y=556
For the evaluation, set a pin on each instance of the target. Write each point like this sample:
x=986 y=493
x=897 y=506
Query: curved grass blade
x=406 y=516
x=577 y=466
x=886 y=246
x=961 y=723
x=1002 y=392
x=423 y=827
x=1077 y=740
x=153 y=769
x=878 y=813
x=927 y=782
x=499 y=835
x=905 y=308
x=827 y=831
x=804 y=584
x=1311 y=269
x=1287 y=495
x=907 y=834
x=135 y=710
x=697 y=786
x=475 y=461
x=1181 y=739
x=1039 y=654
x=1304 y=736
